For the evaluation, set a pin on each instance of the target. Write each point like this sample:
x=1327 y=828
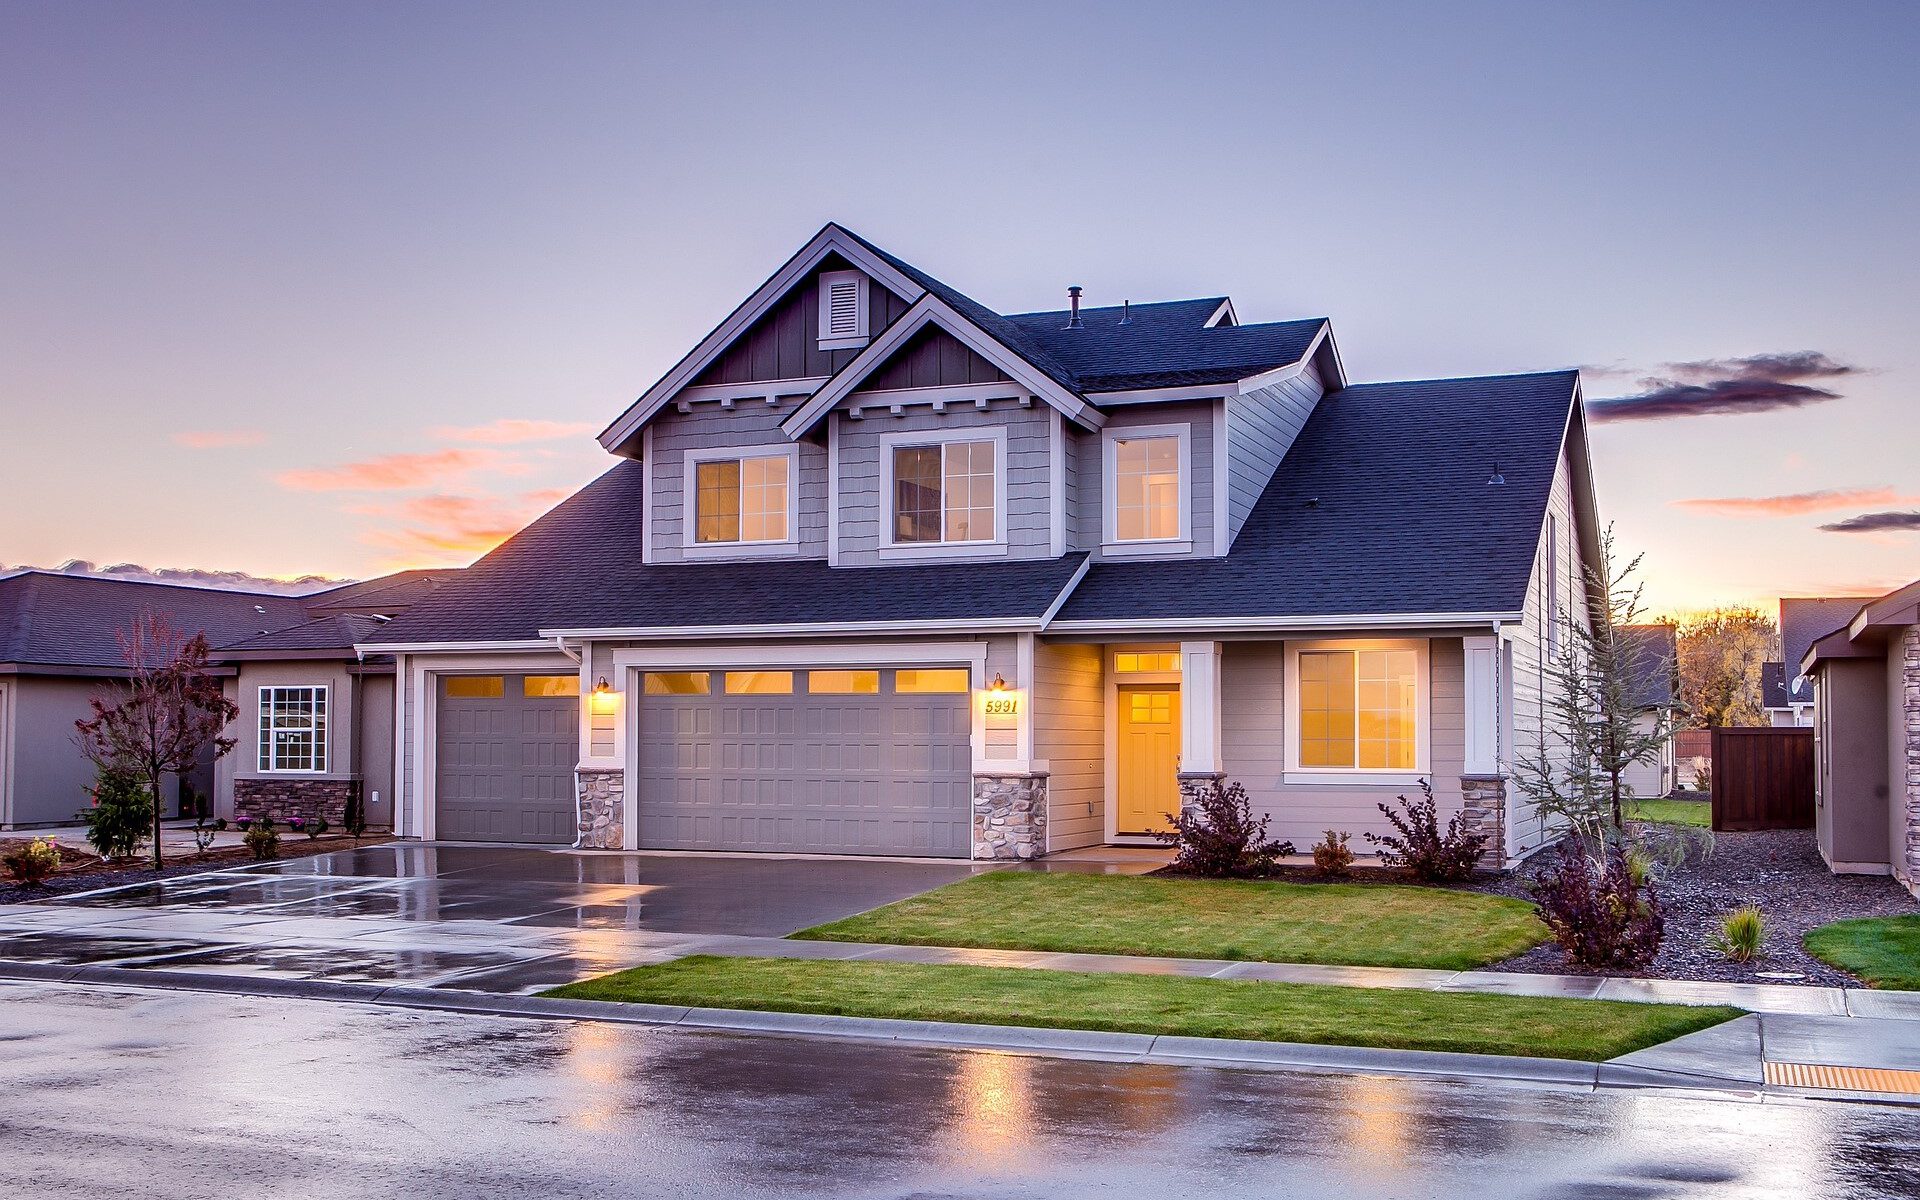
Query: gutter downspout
x=560 y=643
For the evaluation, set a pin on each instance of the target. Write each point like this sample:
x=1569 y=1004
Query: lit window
x=550 y=685
x=740 y=500
x=1146 y=489
x=944 y=493
x=759 y=683
x=674 y=683
x=1160 y=661
x=1149 y=708
x=1359 y=708
x=293 y=729
x=843 y=683
x=946 y=680
x=473 y=687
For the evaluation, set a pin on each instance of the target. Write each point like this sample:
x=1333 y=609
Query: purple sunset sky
x=291 y=288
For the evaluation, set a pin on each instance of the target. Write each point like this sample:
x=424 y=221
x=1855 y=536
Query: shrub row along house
x=878 y=570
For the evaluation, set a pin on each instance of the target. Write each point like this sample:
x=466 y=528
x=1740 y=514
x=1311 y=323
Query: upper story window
x=293 y=729
x=741 y=498
x=946 y=492
x=1357 y=708
x=1147 y=485
x=843 y=310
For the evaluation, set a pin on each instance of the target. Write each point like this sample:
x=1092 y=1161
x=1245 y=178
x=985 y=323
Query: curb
x=1165 y=1049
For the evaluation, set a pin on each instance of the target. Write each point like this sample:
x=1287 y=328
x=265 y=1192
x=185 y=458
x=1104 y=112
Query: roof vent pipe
x=1073 y=298
x=1497 y=479
x=1126 y=312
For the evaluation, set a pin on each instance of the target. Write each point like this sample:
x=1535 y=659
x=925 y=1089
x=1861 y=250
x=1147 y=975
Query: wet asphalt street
x=122 y=1093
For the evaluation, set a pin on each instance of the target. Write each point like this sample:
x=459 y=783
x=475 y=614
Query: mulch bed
x=83 y=872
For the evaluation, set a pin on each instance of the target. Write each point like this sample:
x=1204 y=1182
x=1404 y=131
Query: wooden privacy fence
x=1763 y=778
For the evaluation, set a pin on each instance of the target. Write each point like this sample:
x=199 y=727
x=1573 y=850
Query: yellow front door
x=1149 y=759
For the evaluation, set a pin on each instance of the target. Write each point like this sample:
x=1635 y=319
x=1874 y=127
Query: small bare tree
x=167 y=714
x=1592 y=735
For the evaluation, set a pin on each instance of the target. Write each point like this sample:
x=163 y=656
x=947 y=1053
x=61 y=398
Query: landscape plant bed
x=89 y=872
x=1884 y=951
x=1461 y=1022
x=1781 y=871
x=1349 y=924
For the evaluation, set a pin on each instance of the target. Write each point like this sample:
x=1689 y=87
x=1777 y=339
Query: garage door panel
x=830 y=773
x=504 y=766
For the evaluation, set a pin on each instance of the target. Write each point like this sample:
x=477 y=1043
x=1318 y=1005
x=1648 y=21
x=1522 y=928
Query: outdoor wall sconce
x=999 y=683
x=604 y=699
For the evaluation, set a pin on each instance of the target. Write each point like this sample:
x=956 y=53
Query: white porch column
x=1200 y=709
x=1482 y=705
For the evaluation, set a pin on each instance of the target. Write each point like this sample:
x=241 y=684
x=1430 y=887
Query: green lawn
x=1349 y=924
x=1698 y=813
x=1884 y=951
x=1589 y=1030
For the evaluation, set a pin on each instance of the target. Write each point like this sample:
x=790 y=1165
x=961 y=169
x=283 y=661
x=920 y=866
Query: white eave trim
x=1139 y=625
x=930 y=309
x=1224 y=315
x=830 y=240
x=543 y=642
x=810 y=629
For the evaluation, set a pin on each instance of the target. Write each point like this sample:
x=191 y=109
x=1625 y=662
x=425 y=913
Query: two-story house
x=877 y=570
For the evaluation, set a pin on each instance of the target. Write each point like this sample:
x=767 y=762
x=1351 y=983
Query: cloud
x=512 y=430
x=236 y=581
x=399 y=472
x=218 y=439
x=1723 y=386
x=1877 y=522
x=1795 y=504
x=445 y=526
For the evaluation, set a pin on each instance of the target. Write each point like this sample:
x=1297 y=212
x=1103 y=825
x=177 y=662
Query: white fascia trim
x=767 y=391
x=1222 y=466
x=1135 y=626
x=1222 y=315
x=930 y=309
x=895 y=400
x=830 y=240
x=1056 y=483
x=825 y=629
x=1207 y=391
x=1254 y=383
x=1066 y=593
x=543 y=642
x=833 y=490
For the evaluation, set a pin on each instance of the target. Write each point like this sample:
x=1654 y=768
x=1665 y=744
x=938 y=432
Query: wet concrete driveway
x=479 y=918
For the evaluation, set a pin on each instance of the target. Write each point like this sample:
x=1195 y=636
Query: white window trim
x=991 y=547
x=690 y=499
x=323 y=748
x=860 y=336
x=1110 y=544
x=1422 y=716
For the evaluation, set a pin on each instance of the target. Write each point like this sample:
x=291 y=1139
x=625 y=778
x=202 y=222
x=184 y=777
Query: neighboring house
x=60 y=647
x=1866 y=730
x=878 y=570
x=1785 y=691
x=1656 y=687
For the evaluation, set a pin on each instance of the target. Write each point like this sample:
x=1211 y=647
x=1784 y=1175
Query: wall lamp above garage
x=605 y=700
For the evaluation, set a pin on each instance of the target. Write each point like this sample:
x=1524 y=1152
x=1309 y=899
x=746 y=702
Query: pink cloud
x=399 y=472
x=512 y=430
x=443 y=527
x=1794 y=504
x=218 y=439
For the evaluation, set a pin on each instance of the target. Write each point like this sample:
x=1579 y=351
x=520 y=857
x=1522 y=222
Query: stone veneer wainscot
x=1009 y=817
x=602 y=809
x=280 y=800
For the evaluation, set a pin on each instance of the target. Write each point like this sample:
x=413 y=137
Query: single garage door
x=821 y=761
x=506 y=746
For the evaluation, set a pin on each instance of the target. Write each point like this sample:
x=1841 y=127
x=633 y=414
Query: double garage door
x=841 y=761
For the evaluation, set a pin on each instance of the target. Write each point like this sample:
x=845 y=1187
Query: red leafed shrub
x=1215 y=834
x=1421 y=848
x=1602 y=911
x=1332 y=858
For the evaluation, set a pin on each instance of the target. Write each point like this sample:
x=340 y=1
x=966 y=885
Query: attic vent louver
x=843 y=310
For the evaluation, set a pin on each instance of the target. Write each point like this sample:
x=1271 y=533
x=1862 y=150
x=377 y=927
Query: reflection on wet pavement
x=333 y=963
x=80 y=950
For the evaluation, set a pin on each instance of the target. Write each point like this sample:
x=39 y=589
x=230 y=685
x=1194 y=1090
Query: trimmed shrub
x=1599 y=912
x=1332 y=858
x=1421 y=848
x=262 y=839
x=1215 y=835
x=120 y=819
x=33 y=862
x=1742 y=935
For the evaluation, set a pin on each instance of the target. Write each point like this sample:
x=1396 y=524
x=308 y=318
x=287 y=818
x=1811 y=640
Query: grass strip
x=1884 y=951
x=1472 y=1023
x=1695 y=813
x=1370 y=925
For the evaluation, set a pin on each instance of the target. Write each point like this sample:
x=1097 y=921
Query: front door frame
x=1171 y=680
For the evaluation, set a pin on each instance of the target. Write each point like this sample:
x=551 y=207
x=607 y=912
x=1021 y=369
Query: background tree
x=1575 y=773
x=169 y=712
x=1720 y=655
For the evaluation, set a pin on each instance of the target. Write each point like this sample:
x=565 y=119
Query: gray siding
x=864 y=510
x=50 y=776
x=932 y=358
x=1089 y=459
x=1069 y=723
x=785 y=343
x=373 y=725
x=749 y=423
x=1253 y=747
x=1261 y=426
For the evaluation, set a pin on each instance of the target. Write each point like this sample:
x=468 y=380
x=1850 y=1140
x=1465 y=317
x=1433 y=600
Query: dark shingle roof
x=1405 y=520
x=49 y=619
x=341 y=631
x=580 y=567
x=384 y=596
x=1773 y=684
x=1655 y=650
x=1165 y=345
x=1804 y=620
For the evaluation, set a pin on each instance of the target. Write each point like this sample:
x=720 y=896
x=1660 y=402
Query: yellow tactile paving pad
x=1842 y=1079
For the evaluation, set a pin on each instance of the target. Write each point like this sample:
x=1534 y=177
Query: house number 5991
x=1002 y=706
